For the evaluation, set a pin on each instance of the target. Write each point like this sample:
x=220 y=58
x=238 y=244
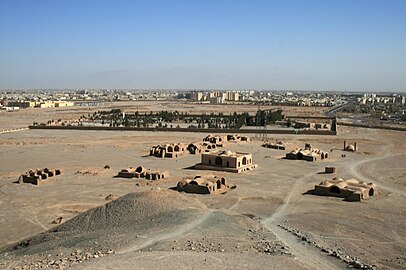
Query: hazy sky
x=319 y=45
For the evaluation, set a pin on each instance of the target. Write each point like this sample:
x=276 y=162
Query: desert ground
x=270 y=221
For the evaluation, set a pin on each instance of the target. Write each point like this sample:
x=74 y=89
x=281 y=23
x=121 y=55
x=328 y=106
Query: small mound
x=130 y=209
x=117 y=223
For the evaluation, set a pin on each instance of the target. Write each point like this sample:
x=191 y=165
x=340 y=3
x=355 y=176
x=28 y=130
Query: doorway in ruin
x=223 y=181
x=244 y=161
x=371 y=192
x=335 y=189
x=218 y=161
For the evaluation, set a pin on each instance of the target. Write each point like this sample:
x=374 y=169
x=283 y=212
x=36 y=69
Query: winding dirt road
x=312 y=257
x=180 y=230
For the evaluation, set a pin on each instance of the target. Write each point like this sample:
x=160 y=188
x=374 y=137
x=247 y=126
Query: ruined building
x=141 y=172
x=278 y=145
x=38 y=176
x=350 y=147
x=172 y=150
x=330 y=169
x=350 y=190
x=207 y=184
x=238 y=138
x=226 y=161
x=308 y=153
x=219 y=140
x=175 y=150
x=222 y=140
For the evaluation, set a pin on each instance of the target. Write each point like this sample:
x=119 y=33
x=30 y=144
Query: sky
x=343 y=45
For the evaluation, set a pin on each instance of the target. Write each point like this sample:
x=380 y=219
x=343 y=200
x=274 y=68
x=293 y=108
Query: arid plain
x=269 y=221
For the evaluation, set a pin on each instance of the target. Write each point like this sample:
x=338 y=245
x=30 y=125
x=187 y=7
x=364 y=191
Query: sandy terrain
x=268 y=220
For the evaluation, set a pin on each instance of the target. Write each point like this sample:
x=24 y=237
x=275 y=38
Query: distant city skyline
x=277 y=45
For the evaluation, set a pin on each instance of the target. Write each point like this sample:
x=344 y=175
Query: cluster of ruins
x=207 y=184
x=221 y=140
x=209 y=143
x=226 y=161
x=308 y=153
x=37 y=176
x=238 y=138
x=350 y=190
x=278 y=145
x=141 y=172
x=175 y=150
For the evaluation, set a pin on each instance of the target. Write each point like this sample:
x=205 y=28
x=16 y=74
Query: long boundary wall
x=370 y=126
x=200 y=130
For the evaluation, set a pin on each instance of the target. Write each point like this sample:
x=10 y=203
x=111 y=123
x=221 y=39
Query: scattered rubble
x=111 y=197
x=61 y=261
x=58 y=220
x=352 y=262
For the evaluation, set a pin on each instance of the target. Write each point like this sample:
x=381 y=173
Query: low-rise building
x=308 y=153
x=226 y=161
x=141 y=172
x=278 y=145
x=172 y=150
x=207 y=184
x=38 y=176
x=350 y=147
x=350 y=190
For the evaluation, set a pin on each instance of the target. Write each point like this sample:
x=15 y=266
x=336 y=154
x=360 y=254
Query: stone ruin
x=278 y=145
x=222 y=140
x=38 y=176
x=226 y=160
x=330 y=169
x=308 y=153
x=141 y=172
x=175 y=150
x=210 y=143
x=219 y=140
x=350 y=147
x=206 y=184
x=350 y=190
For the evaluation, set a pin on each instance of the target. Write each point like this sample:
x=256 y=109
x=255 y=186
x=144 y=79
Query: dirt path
x=180 y=230
x=308 y=255
x=355 y=168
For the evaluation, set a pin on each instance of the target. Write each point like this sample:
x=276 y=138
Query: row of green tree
x=116 y=117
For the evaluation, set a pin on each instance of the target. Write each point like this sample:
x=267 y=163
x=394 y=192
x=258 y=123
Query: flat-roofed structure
x=227 y=161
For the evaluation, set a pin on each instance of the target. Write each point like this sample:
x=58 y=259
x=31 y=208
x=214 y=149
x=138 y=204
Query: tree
x=288 y=122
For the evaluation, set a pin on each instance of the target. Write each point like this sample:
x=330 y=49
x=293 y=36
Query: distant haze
x=309 y=45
